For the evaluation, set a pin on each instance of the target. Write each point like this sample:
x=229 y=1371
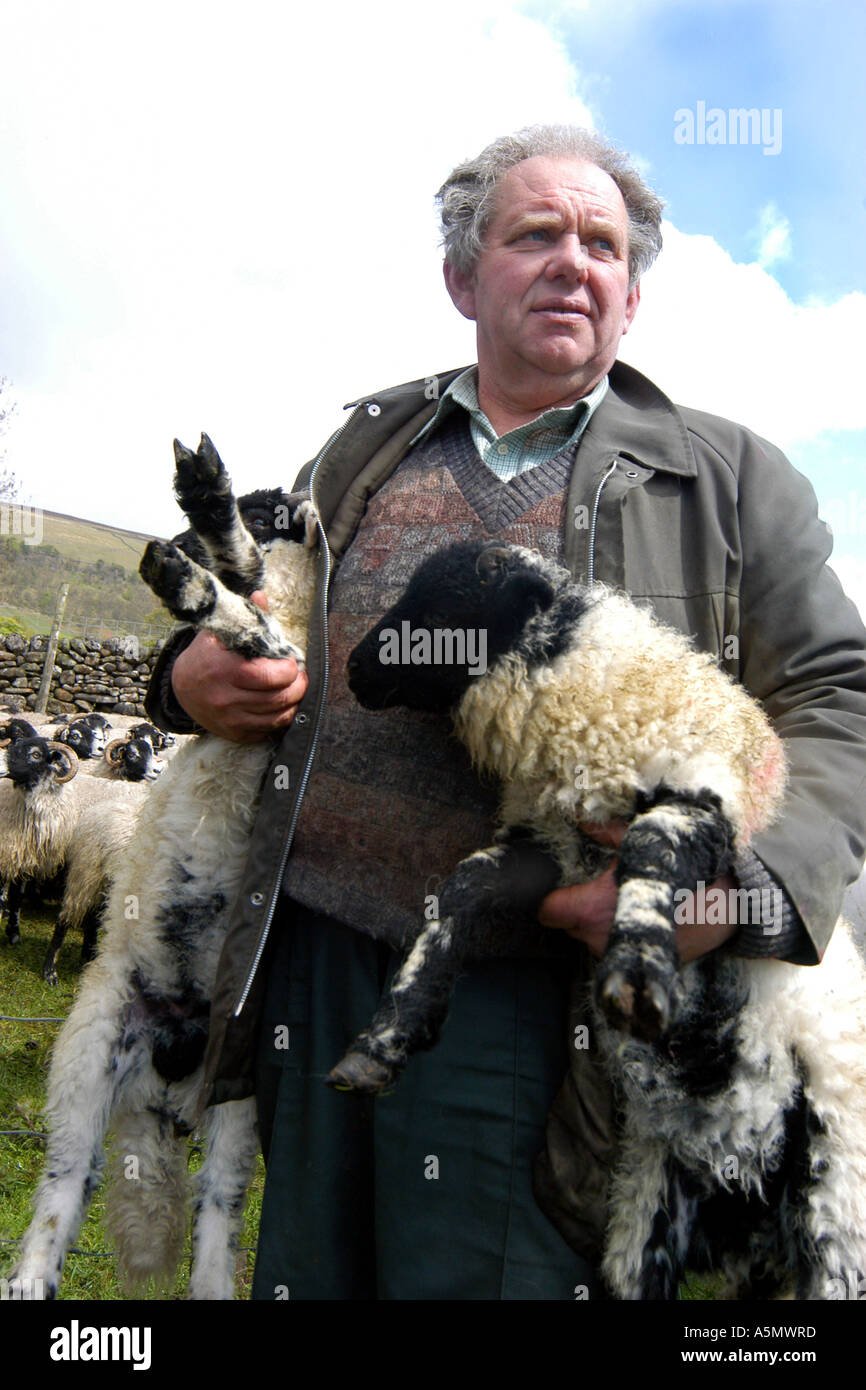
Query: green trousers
x=425 y=1193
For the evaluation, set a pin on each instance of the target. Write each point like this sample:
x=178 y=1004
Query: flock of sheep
x=70 y=794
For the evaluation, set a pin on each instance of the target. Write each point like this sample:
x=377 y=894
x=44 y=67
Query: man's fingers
x=264 y=673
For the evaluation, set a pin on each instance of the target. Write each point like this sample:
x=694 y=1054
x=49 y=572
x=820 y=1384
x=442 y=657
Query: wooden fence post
x=47 y=670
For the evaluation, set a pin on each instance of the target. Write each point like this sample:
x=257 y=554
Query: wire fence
x=99 y=628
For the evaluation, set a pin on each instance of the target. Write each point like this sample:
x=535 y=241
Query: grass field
x=25 y=1051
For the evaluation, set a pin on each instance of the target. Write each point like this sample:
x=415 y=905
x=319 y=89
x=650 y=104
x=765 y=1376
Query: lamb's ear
x=492 y=564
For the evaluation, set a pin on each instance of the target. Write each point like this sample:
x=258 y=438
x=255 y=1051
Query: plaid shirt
x=536 y=442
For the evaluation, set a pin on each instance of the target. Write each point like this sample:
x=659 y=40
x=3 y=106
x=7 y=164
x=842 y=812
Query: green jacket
x=694 y=514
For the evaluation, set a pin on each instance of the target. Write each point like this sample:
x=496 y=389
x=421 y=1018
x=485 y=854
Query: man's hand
x=240 y=700
x=586 y=910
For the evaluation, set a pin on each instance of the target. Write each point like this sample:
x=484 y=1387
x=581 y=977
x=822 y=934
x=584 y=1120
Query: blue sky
x=805 y=60
x=224 y=224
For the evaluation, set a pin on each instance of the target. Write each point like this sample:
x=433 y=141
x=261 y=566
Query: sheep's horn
x=491 y=563
x=71 y=757
x=108 y=755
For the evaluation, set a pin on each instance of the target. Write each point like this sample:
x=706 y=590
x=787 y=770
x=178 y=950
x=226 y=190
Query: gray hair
x=467 y=198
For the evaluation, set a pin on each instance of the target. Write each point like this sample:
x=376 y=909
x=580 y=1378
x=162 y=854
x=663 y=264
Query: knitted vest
x=393 y=803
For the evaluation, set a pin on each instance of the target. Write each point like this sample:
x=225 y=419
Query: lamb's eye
x=257 y=525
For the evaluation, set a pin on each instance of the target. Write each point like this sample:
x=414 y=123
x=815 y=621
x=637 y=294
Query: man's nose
x=569 y=258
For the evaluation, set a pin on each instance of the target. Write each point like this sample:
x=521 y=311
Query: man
x=552 y=443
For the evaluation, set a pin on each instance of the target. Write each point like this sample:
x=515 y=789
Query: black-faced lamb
x=741 y=1083
x=129 y=1057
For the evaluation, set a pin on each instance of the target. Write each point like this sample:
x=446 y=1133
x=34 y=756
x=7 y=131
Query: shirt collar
x=568 y=421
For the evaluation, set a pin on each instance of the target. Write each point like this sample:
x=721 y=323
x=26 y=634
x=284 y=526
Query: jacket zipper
x=326 y=667
x=590 y=567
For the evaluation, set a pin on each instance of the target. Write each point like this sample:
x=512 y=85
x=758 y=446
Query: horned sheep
x=741 y=1083
x=50 y=823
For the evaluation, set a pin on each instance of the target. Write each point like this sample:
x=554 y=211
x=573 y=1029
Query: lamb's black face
x=463 y=609
x=267 y=516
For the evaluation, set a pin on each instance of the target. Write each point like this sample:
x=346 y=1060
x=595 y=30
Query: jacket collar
x=635 y=418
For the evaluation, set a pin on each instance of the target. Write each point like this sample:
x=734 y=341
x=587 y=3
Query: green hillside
x=90 y=540
x=39 y=552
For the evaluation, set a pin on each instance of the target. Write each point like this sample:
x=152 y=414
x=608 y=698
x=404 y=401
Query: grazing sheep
x=741 y=1084
x=130 y=1054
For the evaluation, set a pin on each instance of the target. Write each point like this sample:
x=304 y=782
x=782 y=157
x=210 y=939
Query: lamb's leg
x=89 y=1064
x=203 y=489
x=498 y=884
x=222 y=1182
x=681 y=839
x=652 y=1218
x=194 y=595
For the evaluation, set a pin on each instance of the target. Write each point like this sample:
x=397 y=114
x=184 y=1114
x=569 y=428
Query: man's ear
x=631 y=303
x=461 y=288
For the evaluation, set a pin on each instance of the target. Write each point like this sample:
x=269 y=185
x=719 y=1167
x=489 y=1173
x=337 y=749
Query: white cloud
x=724 y=337
x=225 y=222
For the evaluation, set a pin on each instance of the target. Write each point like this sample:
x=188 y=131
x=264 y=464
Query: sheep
x=50 y=826
x=14 y=729
x=741 y=1083
x=130 y=759
x=130 y=1054
x=86 y=735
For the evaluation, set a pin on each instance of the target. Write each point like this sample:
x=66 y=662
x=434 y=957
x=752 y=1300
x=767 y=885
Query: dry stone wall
x=109 y=677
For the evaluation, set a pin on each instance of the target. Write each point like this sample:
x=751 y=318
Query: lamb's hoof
x=642 y=1011
x=204 y=468
x=358 y=1072
x=170 y=574
x=50 y=976
x=162 y=567
x=13 y=937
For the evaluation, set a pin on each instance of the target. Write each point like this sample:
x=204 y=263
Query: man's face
x=550 y=292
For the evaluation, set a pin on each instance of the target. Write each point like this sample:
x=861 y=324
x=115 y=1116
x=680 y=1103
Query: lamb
x=130 y=1054
x=741 y=1083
